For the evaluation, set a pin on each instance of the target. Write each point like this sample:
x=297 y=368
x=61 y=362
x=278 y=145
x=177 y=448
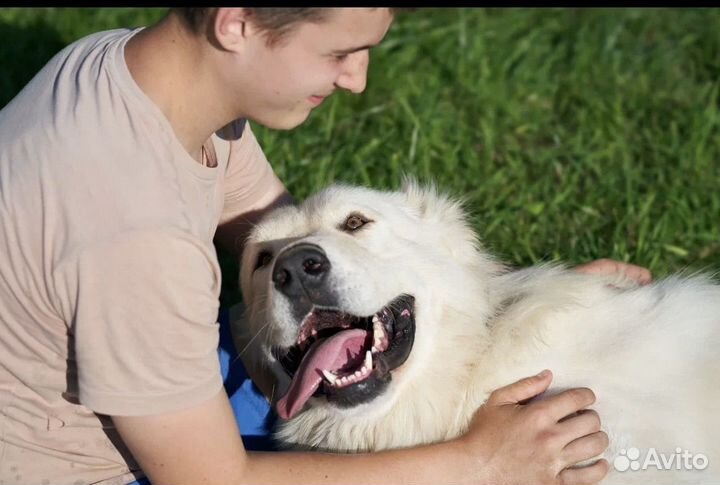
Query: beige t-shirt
x=109 y=281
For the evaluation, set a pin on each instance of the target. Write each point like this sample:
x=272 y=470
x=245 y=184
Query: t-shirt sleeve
x=250 y=182
x=143 y=312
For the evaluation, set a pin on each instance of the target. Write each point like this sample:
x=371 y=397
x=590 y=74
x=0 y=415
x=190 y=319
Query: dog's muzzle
x=344 y=357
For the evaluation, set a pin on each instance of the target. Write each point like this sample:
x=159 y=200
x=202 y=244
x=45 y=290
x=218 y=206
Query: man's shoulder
x=94 y=42
x=83 y=52
x=67 y=83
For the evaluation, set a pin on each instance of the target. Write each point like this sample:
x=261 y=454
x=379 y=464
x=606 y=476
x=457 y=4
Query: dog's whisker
x=240 y=353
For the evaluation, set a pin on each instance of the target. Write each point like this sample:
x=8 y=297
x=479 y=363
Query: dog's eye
x=263 y=259
x=354 y=222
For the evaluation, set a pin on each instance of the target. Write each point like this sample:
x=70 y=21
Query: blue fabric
x=254 y=415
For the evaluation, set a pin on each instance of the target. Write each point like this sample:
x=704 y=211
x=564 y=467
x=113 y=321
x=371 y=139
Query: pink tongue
x=330 y=354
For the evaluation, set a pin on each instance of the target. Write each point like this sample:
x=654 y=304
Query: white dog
x=387 y=325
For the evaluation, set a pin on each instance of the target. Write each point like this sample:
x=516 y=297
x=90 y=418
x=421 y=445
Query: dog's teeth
x=368 y=360
x=379 y=333
x=358 y=373
x=379 y=341
x=332 y=378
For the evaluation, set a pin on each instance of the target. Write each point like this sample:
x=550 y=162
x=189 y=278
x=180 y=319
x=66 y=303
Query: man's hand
x=611 y=267
x=536 y=443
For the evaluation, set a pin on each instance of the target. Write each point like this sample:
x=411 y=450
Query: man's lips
x=316 y=100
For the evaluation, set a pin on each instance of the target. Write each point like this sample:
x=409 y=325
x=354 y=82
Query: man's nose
x=354 y=76
x=301 y=271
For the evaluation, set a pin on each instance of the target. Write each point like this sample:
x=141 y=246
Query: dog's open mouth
x=345 y=357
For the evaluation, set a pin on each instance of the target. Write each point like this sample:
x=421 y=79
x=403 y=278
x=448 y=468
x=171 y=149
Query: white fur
x=651 y=354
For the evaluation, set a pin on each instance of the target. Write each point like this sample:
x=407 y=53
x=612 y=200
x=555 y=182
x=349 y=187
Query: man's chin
x=288 y=122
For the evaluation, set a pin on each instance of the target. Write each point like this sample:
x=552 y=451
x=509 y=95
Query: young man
x=117 y=163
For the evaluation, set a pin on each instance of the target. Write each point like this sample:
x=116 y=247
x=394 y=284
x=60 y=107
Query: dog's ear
x=432 y=205
x=445 y=217
x=429 y=203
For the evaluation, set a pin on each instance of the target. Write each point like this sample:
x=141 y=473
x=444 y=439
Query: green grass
x=573 y=134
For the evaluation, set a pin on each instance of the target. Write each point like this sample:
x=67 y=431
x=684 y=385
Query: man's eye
x=354 y=222
x=263 y=259
x=340 y=57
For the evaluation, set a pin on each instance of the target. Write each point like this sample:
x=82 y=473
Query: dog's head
x=344 y=291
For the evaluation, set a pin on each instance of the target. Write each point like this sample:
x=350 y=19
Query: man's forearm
x=425 y=464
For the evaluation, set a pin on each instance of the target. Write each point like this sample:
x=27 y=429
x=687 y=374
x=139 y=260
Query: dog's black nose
x=301 y=270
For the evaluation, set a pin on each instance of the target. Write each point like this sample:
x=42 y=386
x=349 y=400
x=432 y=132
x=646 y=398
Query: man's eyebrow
x=354 y=49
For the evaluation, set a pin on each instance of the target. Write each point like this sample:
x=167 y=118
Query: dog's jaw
x=432 y=382
x=346 y=358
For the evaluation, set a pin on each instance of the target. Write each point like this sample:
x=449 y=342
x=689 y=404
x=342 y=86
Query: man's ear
x=232 y=27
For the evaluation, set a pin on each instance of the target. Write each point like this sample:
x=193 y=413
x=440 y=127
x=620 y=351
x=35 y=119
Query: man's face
x=291 y=78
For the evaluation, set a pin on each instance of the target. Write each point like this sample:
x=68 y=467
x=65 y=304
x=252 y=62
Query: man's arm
x=507 y=443
x=605 y=266
x=231 y=234
x=251 y=190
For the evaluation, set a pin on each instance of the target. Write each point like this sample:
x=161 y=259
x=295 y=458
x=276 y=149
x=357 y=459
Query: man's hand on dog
x=536 y=443
x=611 y=267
